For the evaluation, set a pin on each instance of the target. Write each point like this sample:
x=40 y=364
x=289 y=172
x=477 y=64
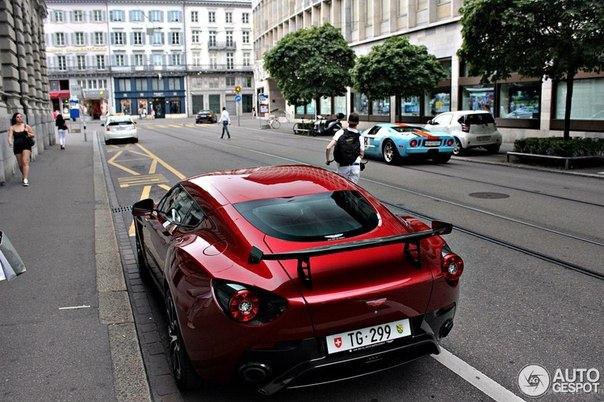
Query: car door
x=370 y=141
x=442 y=123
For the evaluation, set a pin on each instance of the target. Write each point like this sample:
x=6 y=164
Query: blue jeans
x=225 y=127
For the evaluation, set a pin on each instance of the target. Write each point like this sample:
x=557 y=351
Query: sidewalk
x=53 y=343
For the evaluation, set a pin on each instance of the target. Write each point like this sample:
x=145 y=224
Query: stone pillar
x=547 y=95
x=432 y=16
x=393 y=20
x=377 y=18
x=325 y=12
x=455 y=82
x=335 y=14
x=362 y=16
x=411 y=14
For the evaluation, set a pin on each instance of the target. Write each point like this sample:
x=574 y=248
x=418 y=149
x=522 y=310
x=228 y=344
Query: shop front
x=60 y=100
x=150 y=97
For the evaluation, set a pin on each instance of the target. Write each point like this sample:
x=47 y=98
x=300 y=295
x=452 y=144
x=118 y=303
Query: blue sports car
x=394 y=142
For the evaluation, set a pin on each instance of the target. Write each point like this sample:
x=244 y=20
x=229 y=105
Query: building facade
x=23 y=77
x=148 y=58
x=521 y=106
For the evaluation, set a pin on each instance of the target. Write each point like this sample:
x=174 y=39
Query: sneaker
x=25 y=183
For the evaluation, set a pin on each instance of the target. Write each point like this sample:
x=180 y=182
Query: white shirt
x=225 y=116
x=339 y=133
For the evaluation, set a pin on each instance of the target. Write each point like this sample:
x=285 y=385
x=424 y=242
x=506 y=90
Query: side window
x=374 y=130
x=180 y=208
x=443 y=119
x=195 y=216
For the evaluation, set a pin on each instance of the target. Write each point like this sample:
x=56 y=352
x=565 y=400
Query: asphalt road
x=515 y=308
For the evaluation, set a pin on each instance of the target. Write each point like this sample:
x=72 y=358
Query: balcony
x=218 y=68
x=70 y=72
x=213 y=45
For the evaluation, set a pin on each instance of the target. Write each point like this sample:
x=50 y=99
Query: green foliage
x=552 y=38
x=556 y=146
x=310 y=63
x=396 y=67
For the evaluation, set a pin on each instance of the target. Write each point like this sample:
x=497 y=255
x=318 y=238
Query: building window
x=120 y=60
x=97 y=15
x=410 y=106
x=339 y=103
x=174 y=84
x=156 y=16
x=246 y=59
x=82 y=84
x=212 y=40
x=245 y=36
x=174 y=16
x=79 y=38
x=230 y=61
x=99 y=38
x=325 y=103
x=61 y=63
x=137 y=38
x=103 y=84
x=175 y=38
x=228 y=17
x=78 y=16
x=438 y=101
x=116 y=16
x=158 y=38
x=195 y=36
x=477 y=98
x=59 y=39
x=194 y=16
x=100 y=61
x=136 y=15
x=58 y=16
x=245 y=18
x=140 y=84
x=380 y=107
x=229 y=38
x=118 y=38
x=247 y=82
x=139 y=59
x=519 y=100
x=92 y=84
x=587 y=103
x=196 y=59
x=213 y=61
x=212 y=16
x=175 y=59
x=230 y=82
x=158 y=59
x=361 y=104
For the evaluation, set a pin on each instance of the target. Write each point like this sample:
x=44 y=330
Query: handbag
x=30 y=141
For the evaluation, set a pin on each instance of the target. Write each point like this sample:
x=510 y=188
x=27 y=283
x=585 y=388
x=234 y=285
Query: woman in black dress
x=19 y=135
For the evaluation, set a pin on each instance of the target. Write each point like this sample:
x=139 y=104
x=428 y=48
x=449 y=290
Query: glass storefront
x=300 y=109
x=310 y=108
x=587 y=102
x=339 y=103
x=519 y=100
x=381 y=107
x=174 y=105
x=478 y=98
x=126 y=106
x=438 y=101
x=410 y=106
x=361 y=104
x=325 y=105
x=143 y=108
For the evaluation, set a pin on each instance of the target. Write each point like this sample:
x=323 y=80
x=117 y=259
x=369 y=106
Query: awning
x=62 y=94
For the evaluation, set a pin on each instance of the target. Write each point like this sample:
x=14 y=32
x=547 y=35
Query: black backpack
x=348 y=148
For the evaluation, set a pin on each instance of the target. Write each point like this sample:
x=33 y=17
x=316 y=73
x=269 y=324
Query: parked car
x=395 y=142
x=289 y=276
x=120 y=127
x=470 y=128
x=205 y=116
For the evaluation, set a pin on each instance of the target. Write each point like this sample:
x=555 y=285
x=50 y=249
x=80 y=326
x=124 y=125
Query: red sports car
x=290 y=276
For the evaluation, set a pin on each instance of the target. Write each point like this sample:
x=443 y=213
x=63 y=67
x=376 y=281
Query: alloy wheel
x=175 y=346
x=388 y=152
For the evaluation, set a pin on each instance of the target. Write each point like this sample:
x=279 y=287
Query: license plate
x=484 y=138
x=370 y=336
x=432 y=143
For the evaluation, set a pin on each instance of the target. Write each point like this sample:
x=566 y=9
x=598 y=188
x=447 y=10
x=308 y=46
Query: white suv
x=470 y=128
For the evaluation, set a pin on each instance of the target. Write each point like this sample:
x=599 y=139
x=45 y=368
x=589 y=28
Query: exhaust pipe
x=254 y=372
x=446 y=328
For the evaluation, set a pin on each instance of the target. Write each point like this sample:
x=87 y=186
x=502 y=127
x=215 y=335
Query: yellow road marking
x=141 y=180
x=164 y=164
x=164 y=186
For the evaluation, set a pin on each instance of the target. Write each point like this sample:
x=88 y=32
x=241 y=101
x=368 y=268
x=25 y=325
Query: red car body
x=224 y=269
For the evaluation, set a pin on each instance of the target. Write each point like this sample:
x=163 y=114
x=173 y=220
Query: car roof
x=235 y=186
x=388 y=125
x=470 y=112
x=119 y=118
x=205 y=111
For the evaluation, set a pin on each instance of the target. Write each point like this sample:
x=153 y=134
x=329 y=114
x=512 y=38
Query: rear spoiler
x=303 y=256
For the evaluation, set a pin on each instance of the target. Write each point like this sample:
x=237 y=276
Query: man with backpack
x=348 y=150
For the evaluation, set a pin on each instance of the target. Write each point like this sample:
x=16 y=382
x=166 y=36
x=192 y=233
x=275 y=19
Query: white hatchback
x=120 y=127
x=470 y=128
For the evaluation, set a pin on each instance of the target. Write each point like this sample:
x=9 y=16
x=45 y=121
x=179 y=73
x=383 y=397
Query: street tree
x=311 y=63
x=552 y=39
x=396 y=67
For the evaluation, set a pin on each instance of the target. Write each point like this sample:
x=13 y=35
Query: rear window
x=120 y=123
x=312 y=217
x=480 y=118
x=399 y=129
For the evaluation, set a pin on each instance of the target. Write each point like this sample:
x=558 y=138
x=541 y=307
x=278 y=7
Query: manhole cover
x=121 y=209
x=490 y=196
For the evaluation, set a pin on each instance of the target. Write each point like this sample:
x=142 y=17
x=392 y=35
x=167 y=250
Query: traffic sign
x=237 y=98
x=262 y=97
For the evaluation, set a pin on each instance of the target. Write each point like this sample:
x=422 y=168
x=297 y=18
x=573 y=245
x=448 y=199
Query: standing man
x=348 y=150
x=226 y=120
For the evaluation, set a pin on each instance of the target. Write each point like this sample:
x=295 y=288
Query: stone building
x=23 y=78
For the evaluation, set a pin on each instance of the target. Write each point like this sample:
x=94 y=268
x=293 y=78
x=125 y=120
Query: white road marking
x=74 y=307
x=489 y=387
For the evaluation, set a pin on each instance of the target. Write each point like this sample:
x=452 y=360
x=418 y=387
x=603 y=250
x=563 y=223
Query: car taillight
x=450 y=142
x=465 y=127
x=246 y=304
x=451 y=265
x=413 y=143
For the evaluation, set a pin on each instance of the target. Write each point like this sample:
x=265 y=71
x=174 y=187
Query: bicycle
x=273 y=122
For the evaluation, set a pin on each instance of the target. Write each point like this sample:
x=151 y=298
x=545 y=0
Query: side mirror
x=143 y=207
x=442 y=228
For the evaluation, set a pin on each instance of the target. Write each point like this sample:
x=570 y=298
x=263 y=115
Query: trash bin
x=11 y=263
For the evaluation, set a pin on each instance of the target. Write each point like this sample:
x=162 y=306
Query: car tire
x=442 y=158
x=493 y=149
x=296 y=129
x=184 y=375
x=458 y=149
x=389 y=153
x=106 y=142
x=141 y=259
x=135 y=140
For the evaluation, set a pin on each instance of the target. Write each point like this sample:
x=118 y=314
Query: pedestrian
x=21 y=138
x=348 y=150
x=62 y=129
x=226 y=120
